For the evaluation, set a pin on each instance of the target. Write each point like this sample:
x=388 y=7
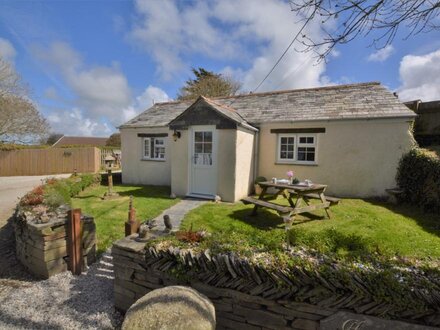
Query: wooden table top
x=296 y=187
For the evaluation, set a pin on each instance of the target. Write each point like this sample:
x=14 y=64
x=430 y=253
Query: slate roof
x=80 y=140
x=354 y=101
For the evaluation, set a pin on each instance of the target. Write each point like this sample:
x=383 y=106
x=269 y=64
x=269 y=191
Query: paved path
x=177 y=213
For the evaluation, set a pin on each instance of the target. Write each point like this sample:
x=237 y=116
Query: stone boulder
x=172 y=307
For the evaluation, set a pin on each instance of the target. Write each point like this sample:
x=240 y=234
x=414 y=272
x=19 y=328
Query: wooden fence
x=49 y=161
x=110 y=152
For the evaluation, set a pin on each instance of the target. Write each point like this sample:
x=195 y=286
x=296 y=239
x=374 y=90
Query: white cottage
x=349 y=137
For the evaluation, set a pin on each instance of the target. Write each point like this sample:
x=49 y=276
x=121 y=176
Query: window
x=154 y=148
x=306 y=149
x=203 y=148
x=297 y=148
x=287 y=147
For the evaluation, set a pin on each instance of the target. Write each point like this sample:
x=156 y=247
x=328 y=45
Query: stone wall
x=246 y=297
x=41 y=241
x=234 y=310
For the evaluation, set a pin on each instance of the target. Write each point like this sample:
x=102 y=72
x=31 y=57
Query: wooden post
x=110 y=181
x=132 y=225
x=74 y=242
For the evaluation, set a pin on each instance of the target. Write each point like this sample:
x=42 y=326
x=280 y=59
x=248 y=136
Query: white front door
x=203 y=167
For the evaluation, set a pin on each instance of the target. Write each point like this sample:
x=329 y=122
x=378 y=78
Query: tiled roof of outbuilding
x=355 y=101
x=81 y=140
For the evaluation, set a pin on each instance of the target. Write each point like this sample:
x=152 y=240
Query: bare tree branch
x=356 y=18
x=20 y=121
x=10 y=81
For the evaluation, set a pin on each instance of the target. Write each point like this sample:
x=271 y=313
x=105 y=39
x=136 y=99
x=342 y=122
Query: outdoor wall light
x=176 y=135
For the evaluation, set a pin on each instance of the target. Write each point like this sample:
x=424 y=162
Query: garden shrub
x=56 y=192
x=418 y=175
x=34 y=197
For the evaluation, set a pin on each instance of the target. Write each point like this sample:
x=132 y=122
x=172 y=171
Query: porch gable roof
x=205 y=111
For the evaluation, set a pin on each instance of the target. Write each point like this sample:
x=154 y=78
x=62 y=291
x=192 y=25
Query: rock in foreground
x=173 y=307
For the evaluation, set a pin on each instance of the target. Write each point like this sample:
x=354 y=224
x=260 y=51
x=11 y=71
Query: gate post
x=74 y=241
x=132 y=225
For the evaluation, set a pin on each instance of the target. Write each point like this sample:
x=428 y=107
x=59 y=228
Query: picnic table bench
x=303 y=194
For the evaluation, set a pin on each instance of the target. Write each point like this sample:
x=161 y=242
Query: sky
x=93 y=65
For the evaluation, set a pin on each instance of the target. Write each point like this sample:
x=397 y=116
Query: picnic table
x=303 y=194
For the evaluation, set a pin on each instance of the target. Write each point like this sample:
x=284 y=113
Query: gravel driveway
x=12 y=274
x=62 y=302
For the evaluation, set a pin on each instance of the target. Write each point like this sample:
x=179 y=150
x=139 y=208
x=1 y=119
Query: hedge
x=418 y=175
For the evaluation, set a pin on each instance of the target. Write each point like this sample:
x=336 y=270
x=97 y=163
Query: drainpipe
x=256 y=153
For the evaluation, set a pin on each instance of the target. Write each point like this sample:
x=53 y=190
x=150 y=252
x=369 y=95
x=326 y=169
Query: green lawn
x=110 y=215
x=435 y=149
x=358 y=228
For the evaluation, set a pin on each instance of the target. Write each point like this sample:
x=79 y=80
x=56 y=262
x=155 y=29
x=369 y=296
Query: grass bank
x=110 y=215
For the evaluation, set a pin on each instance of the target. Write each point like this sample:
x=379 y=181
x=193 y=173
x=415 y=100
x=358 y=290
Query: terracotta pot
x=258 y=189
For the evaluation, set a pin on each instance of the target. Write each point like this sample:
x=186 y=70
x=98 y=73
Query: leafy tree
x=209 y=84
x=356 y=18
x=20 y=121
x=114 y=140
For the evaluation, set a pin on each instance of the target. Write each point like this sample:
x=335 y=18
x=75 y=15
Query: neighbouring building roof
x=424 y=107
x=354 y=101
x=80 y=140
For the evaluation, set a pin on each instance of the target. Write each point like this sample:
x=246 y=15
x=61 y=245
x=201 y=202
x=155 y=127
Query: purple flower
x=290 y=174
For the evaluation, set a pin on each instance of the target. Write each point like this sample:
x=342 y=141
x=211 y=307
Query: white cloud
x=253 y=35
x=150 y=96
x=142 y=102
x=73 y=122
x=101 y=90
x=102 y=95
x=420 y=77
x=382 y=54
x=7 y=50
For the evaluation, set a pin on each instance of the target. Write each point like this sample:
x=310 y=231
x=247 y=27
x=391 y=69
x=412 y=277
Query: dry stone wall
x=41 y=241
x=244 y=297
x=138 y=272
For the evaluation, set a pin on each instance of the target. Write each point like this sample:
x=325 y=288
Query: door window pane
x=198 y=148
x=198 y=136
x=207 y=136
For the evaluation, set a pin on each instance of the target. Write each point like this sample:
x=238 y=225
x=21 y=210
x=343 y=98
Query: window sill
x=152 y=160
x=296 y=163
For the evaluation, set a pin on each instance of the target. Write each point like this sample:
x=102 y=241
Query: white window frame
x=283 y=160
x=297 y=144
x=152 y=147
x=155 y=145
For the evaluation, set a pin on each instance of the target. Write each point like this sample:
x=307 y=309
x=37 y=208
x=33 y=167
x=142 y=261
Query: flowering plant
x=290 y=174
